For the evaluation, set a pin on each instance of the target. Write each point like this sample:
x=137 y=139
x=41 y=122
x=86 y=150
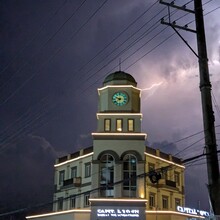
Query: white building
x=119 y=177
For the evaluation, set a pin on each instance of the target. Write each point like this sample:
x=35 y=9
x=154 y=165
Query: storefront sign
x=117 y=209
x=192 y=211
x=118 y=213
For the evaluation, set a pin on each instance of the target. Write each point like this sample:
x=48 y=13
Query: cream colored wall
x=68 y=191
x=159 y=190
x=106 y=104
x=154 y=216
x=137 y=122
x=119 y=146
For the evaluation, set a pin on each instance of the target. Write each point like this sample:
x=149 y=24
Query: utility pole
x=206 y=98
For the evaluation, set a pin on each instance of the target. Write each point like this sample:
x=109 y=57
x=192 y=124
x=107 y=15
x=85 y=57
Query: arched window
x=129 y=175
x=107 y=164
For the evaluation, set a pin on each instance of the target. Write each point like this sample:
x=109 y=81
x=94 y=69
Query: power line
x=154 y=16
x=148 y=31
x=120 y=34
x=198 y=156
x=33 y=38
x=147 y=10
x=189 y=146
x=215 y=104
x=143 y=175
x=54 y=54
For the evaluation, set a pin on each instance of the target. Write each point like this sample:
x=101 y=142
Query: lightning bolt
x=152 y=86
x=152 y=89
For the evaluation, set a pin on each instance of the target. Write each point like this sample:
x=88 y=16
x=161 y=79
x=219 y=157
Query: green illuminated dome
x=120 y=78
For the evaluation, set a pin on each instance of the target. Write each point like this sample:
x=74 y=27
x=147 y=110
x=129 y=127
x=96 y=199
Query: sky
x=56 y=53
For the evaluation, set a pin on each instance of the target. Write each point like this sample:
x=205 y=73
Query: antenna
x=120 y=64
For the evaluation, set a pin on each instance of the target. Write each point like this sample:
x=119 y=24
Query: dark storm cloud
x=27 y=174
x=53 y=80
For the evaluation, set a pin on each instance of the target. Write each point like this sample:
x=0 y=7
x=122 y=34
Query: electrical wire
x=146 y=32
x=154 y=16
x=88 y=192
x=186 y=148
x=215 y=104
x=54 y=54
x=120 y=34
x=33 y=38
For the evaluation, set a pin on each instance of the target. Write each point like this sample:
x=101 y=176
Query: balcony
x=167 y=184
x=76 y=182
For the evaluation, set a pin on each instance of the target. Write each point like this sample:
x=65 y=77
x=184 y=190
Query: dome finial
x=120 y=64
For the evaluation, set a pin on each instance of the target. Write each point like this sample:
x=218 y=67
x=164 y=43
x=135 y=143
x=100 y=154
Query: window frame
x=60 y=204
x=86 y=200
x=129 y=171
x=107 y=127
x=165 y=202
x=177 y=178
x=72 y=201
x=107 y=166
x=119 y=128
x=152 y=199
x=177 y=202
x=73 y=170
x=87 y=169
x=61 y=177
x=130 y=120
x=151 y=165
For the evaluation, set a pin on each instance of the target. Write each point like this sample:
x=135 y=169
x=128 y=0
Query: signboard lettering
x=118 y=213
x=192 y=211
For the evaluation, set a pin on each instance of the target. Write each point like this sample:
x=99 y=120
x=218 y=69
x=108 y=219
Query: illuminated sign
x=118 y=212
x=117 y=209
x=192 y=211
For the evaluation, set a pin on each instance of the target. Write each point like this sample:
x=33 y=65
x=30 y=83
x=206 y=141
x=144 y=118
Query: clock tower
x=118 y=144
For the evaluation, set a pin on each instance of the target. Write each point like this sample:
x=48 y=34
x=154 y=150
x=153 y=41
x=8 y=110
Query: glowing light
x=152 y=86
x=121 y=134
x=59 y=213
x=175 y=213
x=117 y=86
x=71 y=160
x=167 y=161
x=119 y=114
x=131 y=114
x=142 y=195
x=117 y=200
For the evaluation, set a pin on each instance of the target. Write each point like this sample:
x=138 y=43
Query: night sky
x=55 y=54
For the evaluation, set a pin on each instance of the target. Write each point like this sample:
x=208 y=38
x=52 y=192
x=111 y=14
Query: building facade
x=119 y=176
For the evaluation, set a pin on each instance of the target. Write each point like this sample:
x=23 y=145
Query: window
x=73 y=172
x=86 y=200
x=165 y=202
x=177 y=178
x=72 y=201
x=119 y=124
x=177 y=202
x=60 y=203
x=152 y=199
x=164 y=175
x=61 y=177
x=130 y=124
x=151 y=167
x=87 y=169
x=107 y=175
x=107 y=124
x=129 y=175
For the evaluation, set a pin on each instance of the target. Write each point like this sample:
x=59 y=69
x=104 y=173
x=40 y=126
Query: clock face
x=120 y=98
